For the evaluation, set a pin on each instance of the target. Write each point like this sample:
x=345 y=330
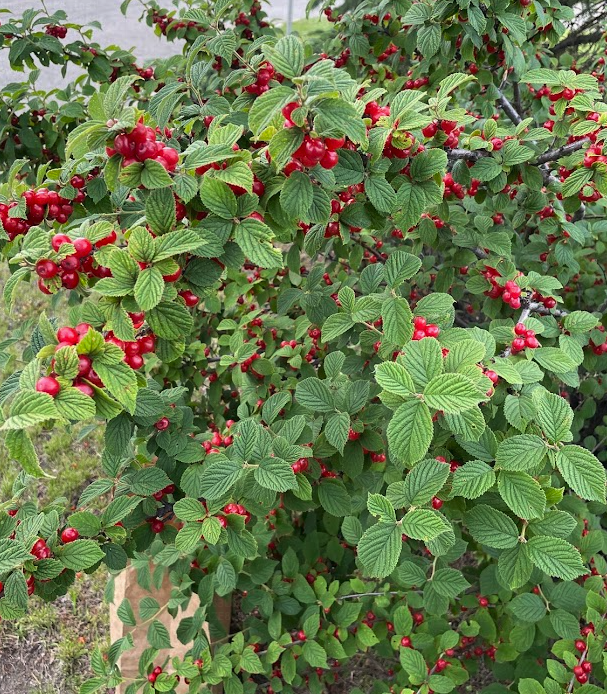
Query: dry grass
x=47 y=651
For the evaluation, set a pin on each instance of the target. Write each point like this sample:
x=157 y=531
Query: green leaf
x=554 y=416
x=429 y=40
x=80 y=554
x=334 y=497
x=12 y=554
x=266 y=107
x=336 y=325
x=528 y=607
x=486 y=169
x=254 y=238
x=555 y=523
x=524 y=452
x=379 y=549
x=296 y=196
x=189 y=509
x=337 y=429
x=21 y=448
x=583 y=472
x=472 y=479
x=287 y=56
x=397 y=320
x=154 y=175
x=576 y=181
x=423 y=360
x=148 y=480
x=411 y=201
x=556 y=557
x=514 y=566
x=315 y=395
x=399 y=267
x=218 y=476
x=170 y=320
x=428 y=163
x=381 y=194
x=491 y=527
x=554 y=359
x=120 y=381
x=394 y=378
x=315 y=655
x=449 y=582
x=29 y=408
x=337 y=115
x=522 y=493
x=380 y=507
x=74 y=405
x=452 y=393
x=410 y=432
x=423 y=524
x=275 y=474
x=424 y=481
x=218 y=197
x=160 y=211
x=149 y=288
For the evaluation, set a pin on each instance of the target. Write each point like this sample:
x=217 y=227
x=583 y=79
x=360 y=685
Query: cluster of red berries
x=582 y=671
x=313 y=151
x=448 y=127
x=153 y=676
x=264 y=74
x=41 y=204
x=142 y=144
x=391 y=50
x=41 y=550
x=69 y=268
x=524 y=338
x=56 y=30
x=510 y=293
x=300 y=465
x=374 y=111
x=66 y=336
x=417 y=82
x=453 y=465
x=234 y=509
x=599 y=349
x=424 y=329
x=393 y=152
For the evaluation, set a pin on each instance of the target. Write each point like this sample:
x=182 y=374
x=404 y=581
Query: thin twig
x=509 y=109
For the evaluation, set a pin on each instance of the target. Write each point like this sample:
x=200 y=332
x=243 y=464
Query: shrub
x=341 y=316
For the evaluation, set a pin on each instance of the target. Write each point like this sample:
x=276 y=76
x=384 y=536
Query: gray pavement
x=122 y=31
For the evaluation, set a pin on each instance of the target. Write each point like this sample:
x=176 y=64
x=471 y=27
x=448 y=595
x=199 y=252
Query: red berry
x=69 y=535
x=334 y=143
x=437 y=503
x=162 y=424
x=70 y=280
x=580 y=645
x=69 y=335
x=45 y=269
x=520 y=329
x=58 y=240
x=83 y=247
x=157 y=526
x=49 y=385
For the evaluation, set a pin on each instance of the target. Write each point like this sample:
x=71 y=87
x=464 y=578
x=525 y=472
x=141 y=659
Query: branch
x=565 y=150
x=509 y=109
x=455 y=154
x=530 y=307
x=576 y=39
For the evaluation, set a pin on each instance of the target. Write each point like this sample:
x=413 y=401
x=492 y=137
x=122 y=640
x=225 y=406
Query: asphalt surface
x=117 y=29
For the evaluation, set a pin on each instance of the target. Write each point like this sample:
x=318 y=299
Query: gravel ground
x=126 y=32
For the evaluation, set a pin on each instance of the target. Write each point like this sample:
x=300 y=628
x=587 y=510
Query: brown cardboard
x=125 y=585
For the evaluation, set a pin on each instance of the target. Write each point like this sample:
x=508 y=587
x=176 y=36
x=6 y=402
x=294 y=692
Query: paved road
x=126 y=32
